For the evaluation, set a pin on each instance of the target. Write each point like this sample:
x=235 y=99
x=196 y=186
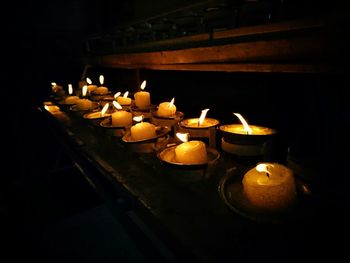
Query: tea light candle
x=90 y=86
x=270 y=186
x=142 y=98
x=124 y=101
x=83 y=104
x=143 y=131
x=191 y=152
x=166 y=109
x=71 y=99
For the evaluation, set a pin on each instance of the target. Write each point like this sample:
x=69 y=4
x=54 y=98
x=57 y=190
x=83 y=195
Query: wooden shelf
x=293 y=46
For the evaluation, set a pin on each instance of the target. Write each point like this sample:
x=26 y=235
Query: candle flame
x=244 y=123
x=104 y=109
x=138 y=118
x=53 y=83
x=262 y=167
x=70 y=89
x=117 y=94
x=202 y=117
x=88 y=81
x=171 y=103
x=183 y=136
x=143 y=85
x=84 y=90
x=47 y=108
x=117 y=105
x=126 y=94
x=102 y=79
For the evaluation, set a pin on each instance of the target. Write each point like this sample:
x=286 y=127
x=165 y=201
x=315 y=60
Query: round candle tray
x=166 y=121
x=237 y=138
x=192 y=123
x=118 y=131
x=161 y=131
x=95 y=115
x=167 y=156
x=231 y=192
x=94 y=105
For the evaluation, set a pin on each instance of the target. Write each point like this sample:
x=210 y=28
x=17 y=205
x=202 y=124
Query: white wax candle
x=192 y=152
x=142 y=99
x=165 y=109
x=71 y=99
x=143 y=131
x=101 y=90
x=83 y=104
x=124 y=100
x=274 y=190
x=121 y=118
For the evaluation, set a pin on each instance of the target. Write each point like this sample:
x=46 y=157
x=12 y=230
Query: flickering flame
x=53 y=84
x=117 y=105
x=171 y=103
x=70 y=89
x=84 y=90
x=262 y=167
x=47 y=108
x=143 y=85
x=104 y=109
x=117 y=94
x=202 y=117
x=138 y=118
x=244 y=123
x=88 y=81
x=102 y=79
x=126 y=94
x=183 y=136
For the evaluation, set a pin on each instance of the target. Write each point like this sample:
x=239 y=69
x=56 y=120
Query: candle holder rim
x=94 y=105
x=107 y=123
x=212 y=154
x=221 y=128
x=178 y=114
x=161 y=131
x=143 y=109
x=86 y=115
x=183 y=123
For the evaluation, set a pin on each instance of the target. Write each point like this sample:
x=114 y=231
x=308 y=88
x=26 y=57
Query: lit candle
x=190 y=152
x=142 y=98
x=201 y=122
x=71 y=99
x=142 y=130
x=124 y=101
x=83 y=104
x=57 y=89
x=166 y=109
x=101 y=90
x=90 y=86
x=121 y=117
x=270 y=186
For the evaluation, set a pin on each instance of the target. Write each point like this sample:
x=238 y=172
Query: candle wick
x=267 y=174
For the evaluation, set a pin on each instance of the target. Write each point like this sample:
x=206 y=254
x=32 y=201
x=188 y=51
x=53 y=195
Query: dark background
x=44 y=42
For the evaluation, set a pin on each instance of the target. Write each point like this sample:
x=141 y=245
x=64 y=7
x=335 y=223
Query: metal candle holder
x=206 y=130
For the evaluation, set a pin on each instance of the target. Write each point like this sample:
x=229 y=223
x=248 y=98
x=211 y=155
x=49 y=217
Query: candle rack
x=171 y=121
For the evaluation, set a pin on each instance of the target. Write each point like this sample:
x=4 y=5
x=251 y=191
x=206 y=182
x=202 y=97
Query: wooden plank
x=241 y=67
x=302 y=47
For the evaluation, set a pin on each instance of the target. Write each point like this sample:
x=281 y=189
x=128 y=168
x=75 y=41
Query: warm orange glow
x=88 y=81
x=244 y=123
x=184 y=137
x=117 y=105
x=143 y=85
x=47 y=108
x=126 y=94
x=117 y=94
x=171 y=103
x=84 y=90
x=70 y=89
x=102 y=79
x=138 y=118
x=202 y=117
x=104 y=109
